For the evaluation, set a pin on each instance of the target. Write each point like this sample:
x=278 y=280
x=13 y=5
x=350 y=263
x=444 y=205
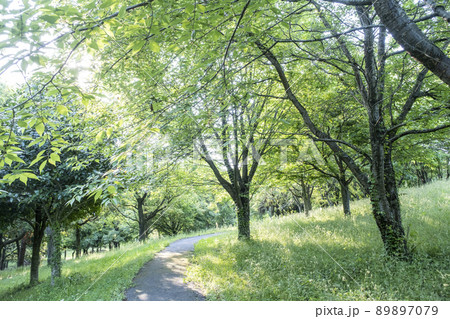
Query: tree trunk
x=55 y=257
x=440 y=174
x=448 y=167
x=141 y=217
x=385 y=201
x=345 y=194
x=142 y=227
x=38 y=235
x=2 y=254
x=36 y=256
x=21 y=250
x=1 y=251
x=306 y=195
x=243 y=215
x=49 y=233
x=77 y=241
x=3 y=264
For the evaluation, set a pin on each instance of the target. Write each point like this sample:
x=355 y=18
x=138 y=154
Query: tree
x=53 y=198
x=4 y=244
x=231 y=135
x=143 y=215
x=148 y=176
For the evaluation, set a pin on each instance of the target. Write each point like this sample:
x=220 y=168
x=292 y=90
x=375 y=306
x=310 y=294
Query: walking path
x=162 y=277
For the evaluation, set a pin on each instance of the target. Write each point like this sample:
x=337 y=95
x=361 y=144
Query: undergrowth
x=329 y=257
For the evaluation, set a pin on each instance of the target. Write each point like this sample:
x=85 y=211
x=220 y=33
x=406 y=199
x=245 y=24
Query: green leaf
x=40 y=128
x=14 y=157
x=154 y=46
x=108 y=31
x=99 y=136
x=93 y=44
x=24 y=65
x=186 y=24
x=201 y=8
x=50 y=18
x=189 y=8
x=97 y=194
x=31 y=176
x=135 y=47
x=85 y=101
x=62 y=110
x=36 y=141
x=122 y=11
x=37 y=159
x=106 y=4
x=112 y=189
x=55 y=157
x=215 y=35
x=109 y=132
x=42 y=166
x=22 y=124
x=23 y=179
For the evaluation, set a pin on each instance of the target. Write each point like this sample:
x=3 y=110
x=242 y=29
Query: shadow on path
x=161 y=279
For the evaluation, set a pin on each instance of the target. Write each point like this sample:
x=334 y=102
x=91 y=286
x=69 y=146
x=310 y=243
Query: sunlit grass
x=330 y=257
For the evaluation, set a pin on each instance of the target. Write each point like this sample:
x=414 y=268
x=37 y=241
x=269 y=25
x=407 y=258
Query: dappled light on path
x=162 y=278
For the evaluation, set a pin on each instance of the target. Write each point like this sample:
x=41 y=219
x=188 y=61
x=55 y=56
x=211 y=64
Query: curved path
x=162 y=277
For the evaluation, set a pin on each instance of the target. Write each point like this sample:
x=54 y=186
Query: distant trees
x=94 y=234
x=147 y=181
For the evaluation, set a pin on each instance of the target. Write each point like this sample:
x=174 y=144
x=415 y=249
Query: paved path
x=162 y=277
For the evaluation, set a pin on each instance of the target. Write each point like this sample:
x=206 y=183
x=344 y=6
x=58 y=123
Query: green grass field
x=100 y=276
x=329 y=257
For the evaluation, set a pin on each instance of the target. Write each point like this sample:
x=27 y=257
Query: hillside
x=329 y=257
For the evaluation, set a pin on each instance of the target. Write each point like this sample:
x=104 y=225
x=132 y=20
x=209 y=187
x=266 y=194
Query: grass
x=100 y=276
x=329 y=257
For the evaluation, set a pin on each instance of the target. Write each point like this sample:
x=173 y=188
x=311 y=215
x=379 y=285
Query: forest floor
x=162 y=278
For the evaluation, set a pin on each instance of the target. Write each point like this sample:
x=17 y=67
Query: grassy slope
x=103 y=276
x=292 y=258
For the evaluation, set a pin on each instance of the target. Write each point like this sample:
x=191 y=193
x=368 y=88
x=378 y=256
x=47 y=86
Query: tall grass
x=330 y=257
x=100 y=276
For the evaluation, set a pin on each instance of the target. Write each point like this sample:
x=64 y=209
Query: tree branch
x=346 y=2
x=10 y=241
x=334 y=35
x=358 y=150
x=441 y=127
